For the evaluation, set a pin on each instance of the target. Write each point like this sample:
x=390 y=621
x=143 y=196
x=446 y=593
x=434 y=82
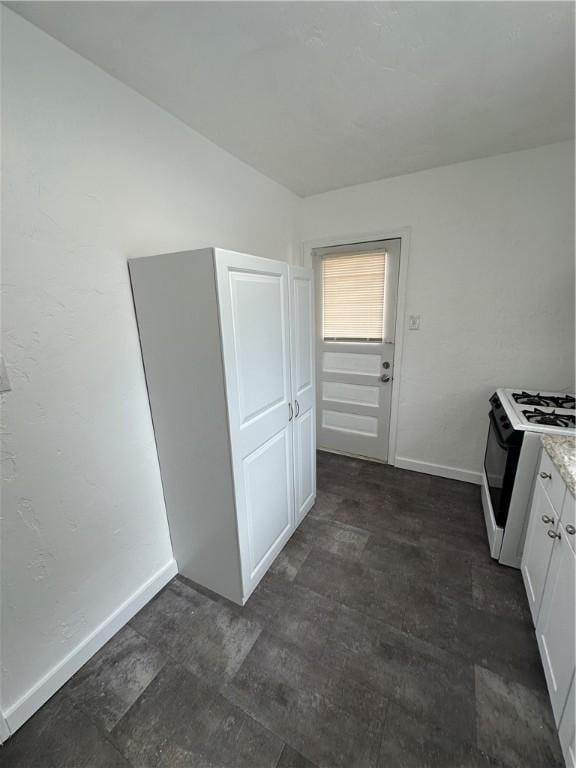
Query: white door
x=555 y=628
x=356 y=300
x=303 y=388
x=253 y=295
x=538 y=548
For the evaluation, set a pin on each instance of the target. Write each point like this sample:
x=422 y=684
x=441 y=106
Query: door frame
x=403 y=234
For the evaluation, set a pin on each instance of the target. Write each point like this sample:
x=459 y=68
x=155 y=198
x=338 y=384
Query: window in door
x=353 y=293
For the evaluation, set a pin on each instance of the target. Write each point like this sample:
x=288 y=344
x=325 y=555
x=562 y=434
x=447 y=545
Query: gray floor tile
x=424 y=679
x=218 y=643
x=500 y=590
x=397 y=552
x=173 y=722
x=505 y=645
x=369 y=591
x=515 y=724
x=328 y=736
x=292 y=759
x=326 y=503
x=107 y=686
x=241 y=742
x=345 y=465
x=332 y=536
x=305 y=620
x=377 y=515
x=285 y=700
x=410 y=742
x=288 y=562
x=453 y=491
x=170 y=619
x=60 y=736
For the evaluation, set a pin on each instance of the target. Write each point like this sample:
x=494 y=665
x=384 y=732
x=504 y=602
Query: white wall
x=491 y=271
x=94 y=174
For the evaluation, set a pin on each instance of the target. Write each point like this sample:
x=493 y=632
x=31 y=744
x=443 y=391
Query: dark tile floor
x=382 y=636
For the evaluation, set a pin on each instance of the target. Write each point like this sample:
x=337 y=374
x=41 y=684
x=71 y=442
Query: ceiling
x=322 y=95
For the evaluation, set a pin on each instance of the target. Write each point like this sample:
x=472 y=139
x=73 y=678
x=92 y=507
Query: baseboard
x=4 y=730
x=33 y=699
x=452 y=473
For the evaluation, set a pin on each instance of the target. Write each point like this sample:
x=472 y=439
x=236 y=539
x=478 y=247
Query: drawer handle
x=554 y=535
x=571 y=530
x=546 y=519
x=545 y=475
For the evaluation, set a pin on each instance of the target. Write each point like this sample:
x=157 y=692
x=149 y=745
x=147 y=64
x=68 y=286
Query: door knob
x=385 y=377
x=571 y=530
x=545 y=475
x=546 y=519
x=554 y=535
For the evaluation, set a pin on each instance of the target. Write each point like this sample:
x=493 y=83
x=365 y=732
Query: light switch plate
x=4 y=381
x=413 y=322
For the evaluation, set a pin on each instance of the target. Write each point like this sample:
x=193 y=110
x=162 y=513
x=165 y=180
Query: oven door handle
x=497 y=432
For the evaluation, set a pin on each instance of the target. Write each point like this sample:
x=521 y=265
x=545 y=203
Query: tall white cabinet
x=227 y=345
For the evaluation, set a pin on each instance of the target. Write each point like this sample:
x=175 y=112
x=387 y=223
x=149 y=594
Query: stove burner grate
x=550 y=401
x=550 y=419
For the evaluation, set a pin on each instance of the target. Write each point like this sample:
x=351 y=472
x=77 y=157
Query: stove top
x=550 y=418
x=548 y=412
x=536 y=398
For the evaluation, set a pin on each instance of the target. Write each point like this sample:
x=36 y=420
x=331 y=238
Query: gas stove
x=517 y=420
x=549 y=412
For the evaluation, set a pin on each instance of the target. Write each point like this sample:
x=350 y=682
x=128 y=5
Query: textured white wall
x=491 y=272
x=94 y=174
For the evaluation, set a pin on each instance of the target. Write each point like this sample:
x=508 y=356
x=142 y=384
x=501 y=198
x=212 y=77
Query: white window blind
x=353 y=296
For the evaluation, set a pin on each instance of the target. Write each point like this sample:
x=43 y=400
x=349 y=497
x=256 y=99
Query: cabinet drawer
x=552 y=481
x=568 y=518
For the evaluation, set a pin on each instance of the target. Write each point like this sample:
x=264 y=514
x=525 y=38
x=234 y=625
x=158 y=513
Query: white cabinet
x=538 y=548
x=227 y=344
x=549 y=573
x=555 y=626
x=303 y=388
x=567 y=729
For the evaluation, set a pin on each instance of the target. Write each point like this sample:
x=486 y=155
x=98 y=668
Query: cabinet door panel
x=267 y=493
x=258 y=315
x=537 y=549
x=303 y=386
x=555 y=627
x=253 y=297
x=567 y=730
x=305 y=462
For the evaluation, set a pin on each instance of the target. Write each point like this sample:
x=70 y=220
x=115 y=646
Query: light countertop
x=562 y=451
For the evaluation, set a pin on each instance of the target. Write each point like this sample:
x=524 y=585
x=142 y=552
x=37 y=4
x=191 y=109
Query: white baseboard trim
x=452 y=473
x=4 y=730
x=35 y=697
